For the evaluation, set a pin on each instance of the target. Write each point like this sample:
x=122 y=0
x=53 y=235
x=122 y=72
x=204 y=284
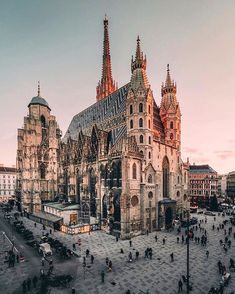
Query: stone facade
x=37 y=156
x=120 y=158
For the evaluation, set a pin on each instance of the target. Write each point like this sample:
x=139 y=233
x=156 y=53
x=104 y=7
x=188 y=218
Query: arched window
x=149 y=109
x=141 y=107
x=141 y=139
x=141 y=151
x=171 y=125
x=149 y=140
x=150 y=179
x=134 y=175
x=43 y=121
x=150 y=195
x=178 y=179
x=131 y=124
x=131 y=109
x=149 y=124
x=178 y=194
x=165 y=175
x=185 y=177
x=141 y=122
x=42 y=171
x=149 y=155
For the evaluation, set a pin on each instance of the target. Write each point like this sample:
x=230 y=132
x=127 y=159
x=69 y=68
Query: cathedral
x=120 y=159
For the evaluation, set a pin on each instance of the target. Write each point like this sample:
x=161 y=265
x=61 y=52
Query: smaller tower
x=106 y=85
x=170 y=112
x=139 y=105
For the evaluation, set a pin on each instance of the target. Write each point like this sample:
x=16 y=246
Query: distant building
x=7 y=182
x=231 y=185
x=203 y=182
x=222 y=185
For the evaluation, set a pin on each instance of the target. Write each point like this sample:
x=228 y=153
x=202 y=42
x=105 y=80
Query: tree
x=213 y=203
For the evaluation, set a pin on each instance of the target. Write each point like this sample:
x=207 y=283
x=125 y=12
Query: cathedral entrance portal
x=168 y=218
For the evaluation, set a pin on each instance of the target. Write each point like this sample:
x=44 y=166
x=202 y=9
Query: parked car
x=200 y=212
x=209 y=213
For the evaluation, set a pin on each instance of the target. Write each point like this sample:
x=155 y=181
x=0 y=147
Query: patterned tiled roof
x=108 y=114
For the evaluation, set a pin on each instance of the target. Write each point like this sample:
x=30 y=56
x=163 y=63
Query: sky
x=60 y=43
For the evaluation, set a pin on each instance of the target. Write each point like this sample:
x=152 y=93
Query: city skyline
x=55 y=50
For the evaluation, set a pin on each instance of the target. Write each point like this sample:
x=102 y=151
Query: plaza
x=158 y=275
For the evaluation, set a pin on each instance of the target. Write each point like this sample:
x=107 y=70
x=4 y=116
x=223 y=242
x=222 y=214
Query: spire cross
x=39 y=88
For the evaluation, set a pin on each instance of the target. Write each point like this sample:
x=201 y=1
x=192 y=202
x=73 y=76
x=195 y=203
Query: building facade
x=231 y=185
x=203 y=182
x=7 y=183
x=120 y=158
x=37 y=156
x=222 y=185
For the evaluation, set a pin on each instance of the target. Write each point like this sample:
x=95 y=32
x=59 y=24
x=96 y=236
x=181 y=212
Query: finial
x=105 y=17
x=138 y=39
x=168 y=69
x=39 y=88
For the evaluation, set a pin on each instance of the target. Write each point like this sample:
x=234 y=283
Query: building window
x=134 y=176
x=149 y=124
x=171 y=125
x=141 y=107
x=149 y=109
x=131 y=124
x=149 y=140
x=165 y=174
x=42 y=171
x=43 y=121
x=134 y=200
x=150 y=195
x=149 y=155
x=141 y=139
x=150 y=179
x=131 y=109
x=140 y=122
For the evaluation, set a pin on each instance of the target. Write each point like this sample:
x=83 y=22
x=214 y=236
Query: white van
x=45 y=249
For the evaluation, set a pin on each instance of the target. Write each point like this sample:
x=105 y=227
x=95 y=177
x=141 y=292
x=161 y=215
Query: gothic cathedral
x=120 y=158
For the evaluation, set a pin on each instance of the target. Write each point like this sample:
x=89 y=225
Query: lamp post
x=187 y=251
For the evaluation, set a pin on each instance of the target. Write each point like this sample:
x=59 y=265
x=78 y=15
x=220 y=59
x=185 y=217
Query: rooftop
x=5 y=169
x=205 y=168
x=62 y=206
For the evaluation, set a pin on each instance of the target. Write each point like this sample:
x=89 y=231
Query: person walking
x=102 y=276
x=147 y=232
x=110 y=266
x=130 y=242
x=172 y=256
x=207 y=254
x=130 y=257
x=87 y=252
x=17 y=258
x=155 y=238
x=43 y=261
x=92 y=259
x=137 y=255
x=178 y=239
x=35 y=280
x=163 y=241
x=28 y=283
x=24 y=285
x=116 y=238
x=180 y=286
x=74 y=246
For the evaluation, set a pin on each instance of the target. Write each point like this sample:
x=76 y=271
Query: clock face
x=171 y=136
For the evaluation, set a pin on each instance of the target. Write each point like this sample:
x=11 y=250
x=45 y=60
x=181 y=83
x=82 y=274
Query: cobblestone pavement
x=158 y=275
x=11 y=277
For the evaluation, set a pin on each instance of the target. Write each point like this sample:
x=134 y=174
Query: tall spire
x=169 y=86
x=140 y=60
x=39 y=94
x=107 y=85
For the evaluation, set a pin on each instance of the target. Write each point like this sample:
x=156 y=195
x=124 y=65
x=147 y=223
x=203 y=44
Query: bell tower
x=170 y=112
x=140 y=105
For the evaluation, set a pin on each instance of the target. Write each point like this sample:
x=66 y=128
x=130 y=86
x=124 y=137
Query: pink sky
x=60 y=43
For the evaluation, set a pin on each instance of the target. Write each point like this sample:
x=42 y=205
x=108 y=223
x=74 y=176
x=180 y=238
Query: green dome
x=39 y=100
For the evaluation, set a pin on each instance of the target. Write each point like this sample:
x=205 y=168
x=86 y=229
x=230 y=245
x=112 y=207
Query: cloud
x=225 y=154
x=191 y=150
